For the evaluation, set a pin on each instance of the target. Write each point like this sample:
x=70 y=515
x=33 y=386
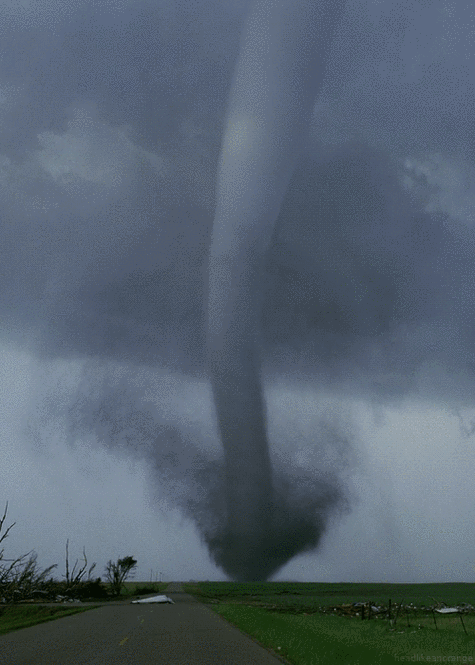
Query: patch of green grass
x=321 y=594
x=14 y=617
x=307 y=640
x=290 y=616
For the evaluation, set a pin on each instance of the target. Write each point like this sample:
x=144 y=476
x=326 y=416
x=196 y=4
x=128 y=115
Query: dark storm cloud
x=151 y=69
x=135 y=258
x=112 y=120
x=381 y=288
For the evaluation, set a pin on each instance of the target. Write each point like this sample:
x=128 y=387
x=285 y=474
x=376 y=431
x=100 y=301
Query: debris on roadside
x=356 y=609
x=155 y=599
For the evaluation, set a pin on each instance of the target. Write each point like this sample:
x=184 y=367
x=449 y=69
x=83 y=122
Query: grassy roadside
x=15 y=617
x=336 y=640
x=291 y=621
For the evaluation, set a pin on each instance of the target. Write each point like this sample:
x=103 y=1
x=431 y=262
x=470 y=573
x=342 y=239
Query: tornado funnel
x=283 y=54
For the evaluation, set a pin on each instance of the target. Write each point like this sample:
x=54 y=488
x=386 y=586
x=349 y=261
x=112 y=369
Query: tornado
x=283 y=54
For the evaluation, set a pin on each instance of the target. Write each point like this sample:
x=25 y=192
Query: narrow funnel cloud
x=280 y=69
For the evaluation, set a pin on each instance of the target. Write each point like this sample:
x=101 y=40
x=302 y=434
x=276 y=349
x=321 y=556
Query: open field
x=319 y=623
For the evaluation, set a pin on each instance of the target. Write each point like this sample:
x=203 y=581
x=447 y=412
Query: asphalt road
x=186 y=633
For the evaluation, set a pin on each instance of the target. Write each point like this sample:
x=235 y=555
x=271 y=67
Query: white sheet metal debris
x=155 y=599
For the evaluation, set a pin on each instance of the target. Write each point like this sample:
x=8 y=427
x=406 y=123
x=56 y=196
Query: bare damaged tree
x=21 y=578
x=74 y=579
x=27 y=578
x=117 y=573
x=2 y=538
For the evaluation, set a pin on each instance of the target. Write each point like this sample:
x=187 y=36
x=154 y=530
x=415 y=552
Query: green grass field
x=297 y=621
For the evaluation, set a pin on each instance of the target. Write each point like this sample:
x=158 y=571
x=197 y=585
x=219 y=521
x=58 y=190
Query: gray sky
x=111 y=120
